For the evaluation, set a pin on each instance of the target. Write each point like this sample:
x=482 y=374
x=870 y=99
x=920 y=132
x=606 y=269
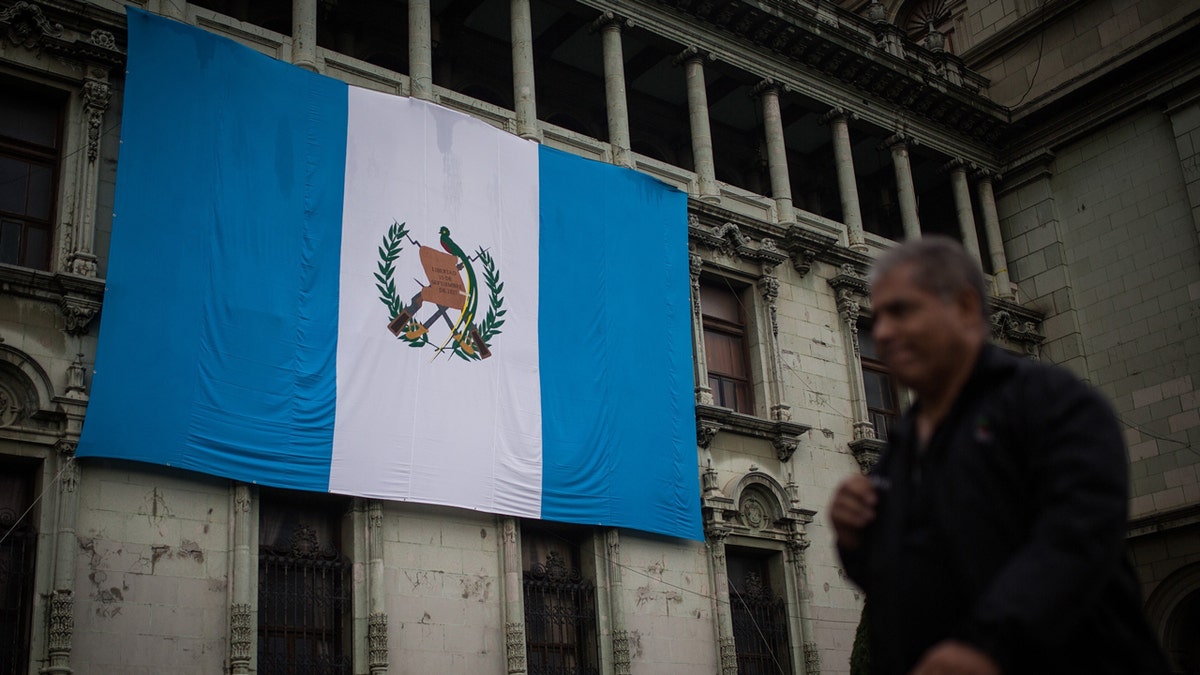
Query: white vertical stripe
x=410 y=426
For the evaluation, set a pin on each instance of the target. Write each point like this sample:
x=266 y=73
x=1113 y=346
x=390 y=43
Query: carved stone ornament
x=62 y=622
x=876 y=12
x=1007 y=327
x=769 y=287
x=75 y=374
x=867 y=451
x=375 y=514
x=240 y=632
x=754 y=514
x=69 y=476
x=377 y=642
x=728 y=657
x=78 y=312
x=241 y=499
x=96 y=96
x=785 y=446
x=812 y=659
x=848 y=309
x=27 y=25
x=706 y=431
x=13 y=407
x=103 y=38
x=621 y=660
x=514 y=643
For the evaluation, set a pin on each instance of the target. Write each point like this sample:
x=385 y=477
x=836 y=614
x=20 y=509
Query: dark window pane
x=10 y=242
x=14 y=182
x=37 y=247
x=41 y=192
x=28 y=119
x=720 y=303
x=866 y=343
x=16 y=564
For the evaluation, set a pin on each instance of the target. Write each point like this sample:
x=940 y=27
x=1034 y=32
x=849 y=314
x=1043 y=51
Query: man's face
x=921 y=337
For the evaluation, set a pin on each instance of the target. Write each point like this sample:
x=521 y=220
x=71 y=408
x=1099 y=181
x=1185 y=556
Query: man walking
x=990 y=538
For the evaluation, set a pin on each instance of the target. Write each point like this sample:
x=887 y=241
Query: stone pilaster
x=957 y=169
x=704 y=394
x=377 y=636
x=843 y=158
x=304 y=34
x=522 y=58
x=60 y=625
x=96 y=96
x=727 y=652
x=781 y=184
x=702 y=145
x=241 y=633
x=798 y=569
x=905 y=192
x=609 y=25
x=420 y=50
x=616 y=604
x=514 y=597
x=768 y=286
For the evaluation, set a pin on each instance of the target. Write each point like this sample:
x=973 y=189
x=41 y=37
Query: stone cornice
x=55 y=27
x=783 y=435
x=77 y=297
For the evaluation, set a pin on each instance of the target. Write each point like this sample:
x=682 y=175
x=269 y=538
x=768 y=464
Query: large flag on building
x=321 y=287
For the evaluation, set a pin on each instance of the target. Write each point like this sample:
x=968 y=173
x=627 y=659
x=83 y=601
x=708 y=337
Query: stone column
x=615 y=100
x=843 y=157
x=962 y=205
x=241 y=627
x=60 y=626
x=616 y=604
x=991 y=229
x=304 y=34
x=377 y=636
x=522 y=57
x=514 y=596
x=96 y=95
x=906 y=193
x=420 y=50
x=702 y=147
x=727 y=651
x=781 y=184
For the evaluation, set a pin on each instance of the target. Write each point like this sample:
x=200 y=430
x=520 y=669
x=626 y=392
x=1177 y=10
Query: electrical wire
x=34 y=503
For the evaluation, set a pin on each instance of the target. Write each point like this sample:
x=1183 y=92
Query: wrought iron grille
x=760 y=629
x=16 y=595
x=560 y=620
x=302 y=603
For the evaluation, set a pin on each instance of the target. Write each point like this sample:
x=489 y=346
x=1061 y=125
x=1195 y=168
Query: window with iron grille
x=725 y=347
x=30 y=143
x=16 y=564
x=883 y=403
x=760 y=617
x=303 y=590
x=560 y=606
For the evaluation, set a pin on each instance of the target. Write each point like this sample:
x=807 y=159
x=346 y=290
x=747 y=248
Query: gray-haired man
x=990 y=537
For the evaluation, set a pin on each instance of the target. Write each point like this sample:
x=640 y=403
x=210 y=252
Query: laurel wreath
x=390 y=250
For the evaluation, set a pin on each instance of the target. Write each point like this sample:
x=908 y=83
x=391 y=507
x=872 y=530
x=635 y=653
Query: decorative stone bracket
x=729 y=239
x=783 y=435
x=867 y=452
x=1017 y=326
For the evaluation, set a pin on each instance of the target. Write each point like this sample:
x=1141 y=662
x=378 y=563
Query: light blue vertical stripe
x=618 y=413
x=219 y=329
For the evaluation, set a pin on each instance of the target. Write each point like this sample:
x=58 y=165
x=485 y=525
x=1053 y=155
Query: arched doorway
x=1181 y=636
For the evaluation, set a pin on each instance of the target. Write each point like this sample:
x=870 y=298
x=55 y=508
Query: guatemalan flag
x=320 y=287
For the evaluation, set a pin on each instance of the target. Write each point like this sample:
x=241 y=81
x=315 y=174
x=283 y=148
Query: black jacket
x=1007 y=532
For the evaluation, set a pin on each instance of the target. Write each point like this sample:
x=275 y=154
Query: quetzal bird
x=467 y=313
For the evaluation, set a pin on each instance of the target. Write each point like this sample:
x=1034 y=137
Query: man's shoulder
x=1041 y=387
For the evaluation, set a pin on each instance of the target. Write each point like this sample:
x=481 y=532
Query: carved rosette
x=96 y=95
x=62 y=623
x=240 y=631
x=78 y=312
x=377 y=642
x=514 y=642
x=621 y=661
x=103 y=38
x=812 y=659
x=27 y=25
x=728 y=657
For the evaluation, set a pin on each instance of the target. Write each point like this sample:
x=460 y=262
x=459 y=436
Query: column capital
x=897 y=139
x=837 y=112
x=984 y=174
x=610 y=20
x=959 y=164
x=692 y=54
x=768 y=85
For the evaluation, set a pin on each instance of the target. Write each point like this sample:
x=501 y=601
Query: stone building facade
x=1058 y=140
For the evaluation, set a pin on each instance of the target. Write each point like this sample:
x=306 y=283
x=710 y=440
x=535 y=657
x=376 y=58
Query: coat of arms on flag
x=432 y=304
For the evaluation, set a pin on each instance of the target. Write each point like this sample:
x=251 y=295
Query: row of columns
x=609 y=25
